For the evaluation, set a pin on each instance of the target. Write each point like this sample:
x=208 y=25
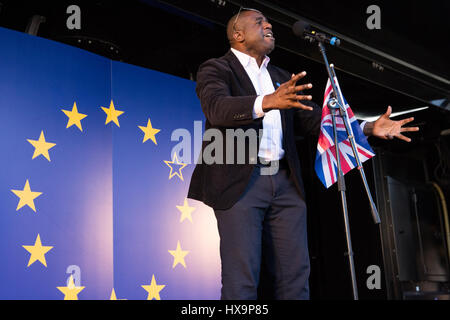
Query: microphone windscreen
x=299 y=28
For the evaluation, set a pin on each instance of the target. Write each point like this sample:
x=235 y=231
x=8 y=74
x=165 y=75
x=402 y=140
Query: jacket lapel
x=273 y=75
x=247 y=84
x=242 y=75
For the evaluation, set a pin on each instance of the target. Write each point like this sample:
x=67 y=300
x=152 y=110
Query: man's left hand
x=385 y=128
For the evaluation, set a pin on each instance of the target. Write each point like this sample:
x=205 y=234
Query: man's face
x=257 y=32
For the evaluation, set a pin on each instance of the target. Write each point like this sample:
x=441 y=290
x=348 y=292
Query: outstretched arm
x=385 y=128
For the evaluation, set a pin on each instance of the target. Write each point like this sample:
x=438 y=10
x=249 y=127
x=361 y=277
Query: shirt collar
x=246 y=60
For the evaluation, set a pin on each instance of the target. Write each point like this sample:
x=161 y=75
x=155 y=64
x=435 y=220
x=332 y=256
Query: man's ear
x=238 y=36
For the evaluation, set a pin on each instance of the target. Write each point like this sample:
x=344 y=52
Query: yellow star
x=41 y=146
x=113 y=296
x=149 y=132
x=182 y=165
x=186 y=211
x=37 y=251
x=153 y=289
x=26 y=196
x=74 y=117
x=112 y=114
x=178 y=255
x=71 y=291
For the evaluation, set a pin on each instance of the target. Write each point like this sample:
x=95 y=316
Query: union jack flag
x=325 y=164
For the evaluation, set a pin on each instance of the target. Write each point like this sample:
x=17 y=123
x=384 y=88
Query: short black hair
x=232 y=22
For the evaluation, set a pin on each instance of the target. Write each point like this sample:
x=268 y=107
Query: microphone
x=303 y=30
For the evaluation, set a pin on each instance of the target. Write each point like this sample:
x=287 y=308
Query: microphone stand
x=337 y=103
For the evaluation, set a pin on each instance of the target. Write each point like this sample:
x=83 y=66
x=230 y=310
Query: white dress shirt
x=271 y=146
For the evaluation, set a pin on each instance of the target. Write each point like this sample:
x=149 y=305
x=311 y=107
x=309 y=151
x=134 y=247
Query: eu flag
x=94 y=183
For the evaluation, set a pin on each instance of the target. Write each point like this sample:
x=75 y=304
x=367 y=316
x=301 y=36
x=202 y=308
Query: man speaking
x=257 y=211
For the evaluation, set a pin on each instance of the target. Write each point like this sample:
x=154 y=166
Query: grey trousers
x=269 y=216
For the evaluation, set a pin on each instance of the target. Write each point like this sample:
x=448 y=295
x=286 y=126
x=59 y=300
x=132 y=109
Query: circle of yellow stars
x=27 y=196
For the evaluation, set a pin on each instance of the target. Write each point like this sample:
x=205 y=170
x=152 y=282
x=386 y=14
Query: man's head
x=250 y=32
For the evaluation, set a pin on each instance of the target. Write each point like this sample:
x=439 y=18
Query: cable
x=442 y=170
x=445 y=214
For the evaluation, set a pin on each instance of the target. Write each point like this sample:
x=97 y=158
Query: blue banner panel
x=96 y=159
x=55 y=170
x=158 y=233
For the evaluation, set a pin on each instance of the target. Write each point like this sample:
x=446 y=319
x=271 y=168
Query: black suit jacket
x=227 y=97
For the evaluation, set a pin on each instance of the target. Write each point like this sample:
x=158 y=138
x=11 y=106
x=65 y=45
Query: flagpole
x=340 y=179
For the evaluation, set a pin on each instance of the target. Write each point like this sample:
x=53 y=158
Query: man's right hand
x=285 y=97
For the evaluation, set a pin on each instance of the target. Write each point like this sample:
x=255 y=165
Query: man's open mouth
x=269 y=35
